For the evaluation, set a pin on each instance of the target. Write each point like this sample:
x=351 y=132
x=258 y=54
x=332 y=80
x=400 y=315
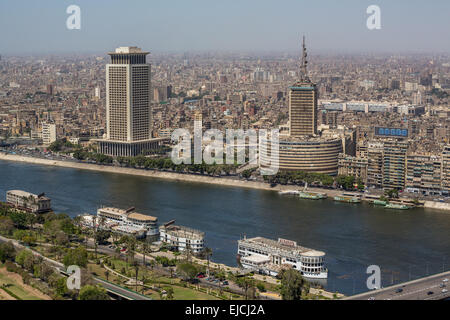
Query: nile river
x=405 y=244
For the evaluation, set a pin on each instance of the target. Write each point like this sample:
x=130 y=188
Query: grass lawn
x=180 y=293
x=16 y=288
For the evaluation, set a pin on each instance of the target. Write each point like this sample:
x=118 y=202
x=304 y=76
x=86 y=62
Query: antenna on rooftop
x=304 y=64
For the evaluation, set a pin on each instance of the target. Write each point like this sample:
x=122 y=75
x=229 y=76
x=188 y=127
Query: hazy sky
x=217 y=25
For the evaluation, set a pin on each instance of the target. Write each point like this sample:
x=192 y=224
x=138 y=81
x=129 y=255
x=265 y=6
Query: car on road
x=200 y=276
x=442 y=285
x=444 y=291
x=445 y=280
x=225 y=283
x=399 y=290
x=371 y=298
x=430 y=293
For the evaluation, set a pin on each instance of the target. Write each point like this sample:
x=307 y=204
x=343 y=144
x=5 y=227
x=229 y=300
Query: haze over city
x=240 y=26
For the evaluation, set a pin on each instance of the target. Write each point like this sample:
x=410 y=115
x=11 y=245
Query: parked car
x=399 y=290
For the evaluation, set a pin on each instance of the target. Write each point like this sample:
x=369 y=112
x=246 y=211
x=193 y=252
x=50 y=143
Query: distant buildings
x=29 y=202
x=390 y=164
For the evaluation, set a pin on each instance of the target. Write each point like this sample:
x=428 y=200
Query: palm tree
x=136 y=268
x=143 y=279
x=208 y=253
x=94 y=229
x=144 y=250
x=107 y=275
x=131 y=244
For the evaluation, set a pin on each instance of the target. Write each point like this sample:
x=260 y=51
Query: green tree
x=7 y=251
x=90 y=292
x=6 y=225
x=187 y=270
x=246 y=283
x=292 y=284
x=20 y=219
x=77 y=256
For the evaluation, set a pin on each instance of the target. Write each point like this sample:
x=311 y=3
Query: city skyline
x=203 y=27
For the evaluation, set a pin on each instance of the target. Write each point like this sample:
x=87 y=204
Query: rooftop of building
x=128 y=50
x=129 y=214
x=307 y=139
x=26 y=194
x=284 y=245
x=142 y=217
x=181 y=231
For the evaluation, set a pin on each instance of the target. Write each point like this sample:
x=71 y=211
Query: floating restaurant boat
x=380 y=202
x=288 y=192
x=348 y=199
x=397 y=206
x=312 y=195
x=269 y=257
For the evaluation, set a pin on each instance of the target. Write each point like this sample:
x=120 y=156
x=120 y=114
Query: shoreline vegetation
x=36 y=249
x=183 y=177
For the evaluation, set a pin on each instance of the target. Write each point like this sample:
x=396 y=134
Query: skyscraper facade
x=303 y=103
x=128 y=104
x=394 y=164
x=446 y=169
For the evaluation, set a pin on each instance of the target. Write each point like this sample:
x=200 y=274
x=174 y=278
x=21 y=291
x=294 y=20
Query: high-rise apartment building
x=445 y=171
x=353 y=166
x=303 y=103
x=128 y=104
x=198 y=121
x=375 y=166
x=48 y=133
x=394 y=164
x=423 y=173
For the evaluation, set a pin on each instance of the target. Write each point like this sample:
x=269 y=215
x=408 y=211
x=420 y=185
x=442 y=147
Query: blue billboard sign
x=391 y=132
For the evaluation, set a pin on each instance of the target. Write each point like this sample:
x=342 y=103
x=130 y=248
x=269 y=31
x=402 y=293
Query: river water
x=405 y=244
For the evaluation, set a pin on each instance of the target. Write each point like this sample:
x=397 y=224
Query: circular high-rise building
x=310 y=154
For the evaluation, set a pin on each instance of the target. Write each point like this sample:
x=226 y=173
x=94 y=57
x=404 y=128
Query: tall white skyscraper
x=128 y=104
